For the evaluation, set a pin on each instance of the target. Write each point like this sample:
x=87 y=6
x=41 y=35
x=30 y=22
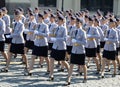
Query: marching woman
x=8 y=30
x=30 y=33
x=40 y=43
x=98 y=40
x=109 y=53
x=17 y=44
x=71 y=28
x=104 y=28
x=78 y=51
x=59 y=46
x=91 y=46
x=2 y=38
x=52 y=28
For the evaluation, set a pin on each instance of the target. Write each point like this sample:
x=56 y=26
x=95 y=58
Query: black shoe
x=85 y=81
x=118 y=68
x=28 y=74
x=61 y=70
x=15 y=55
x=4 y=70
x=98 y=71
x=102 y=76
x=23 y=62
x=88 y=66
x=41 y=66
x=68 y=83
x=50 y=78
x=113 y=75
x=80 y=73
x=107 y=70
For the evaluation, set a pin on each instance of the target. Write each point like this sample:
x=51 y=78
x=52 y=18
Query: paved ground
x=15 y=77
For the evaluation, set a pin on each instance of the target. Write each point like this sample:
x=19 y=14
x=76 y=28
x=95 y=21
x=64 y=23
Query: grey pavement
x=15 y=77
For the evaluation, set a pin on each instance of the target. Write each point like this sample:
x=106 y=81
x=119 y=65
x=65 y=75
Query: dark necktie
x=108 y=34
x=39 y=26
x=29 y=25
x=88 y=30
x=49 y=26
x=57 y=30
x=70 y=28
x=15 y=25
x=76 y=33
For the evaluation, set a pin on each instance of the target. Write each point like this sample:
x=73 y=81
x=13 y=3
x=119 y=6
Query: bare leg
x=70 y=73
x=32 y=62
x=114 y=64
x=41 y=61
x=97 y=63
x=8 y=60
x=88 y=61
x=100 y=58
x=25 y=60
x=5 y=55
x=51 y=67
x=48 y=63
x=65 y=64
x=103 y=66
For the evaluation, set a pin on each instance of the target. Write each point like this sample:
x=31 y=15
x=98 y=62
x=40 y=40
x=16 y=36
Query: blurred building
x=76 y=5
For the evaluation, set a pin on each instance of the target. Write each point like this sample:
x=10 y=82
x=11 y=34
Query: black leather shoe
x=113 y=75
x=107 y=70
x=85 y=81
x=4 y=70
x=68 y=83
x=61 y=70
x=50 y=78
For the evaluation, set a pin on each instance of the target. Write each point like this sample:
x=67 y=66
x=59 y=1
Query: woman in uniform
x=17 y=44
x=78 y=51
x=109 y=53
x=40 y=43
x=59 y=46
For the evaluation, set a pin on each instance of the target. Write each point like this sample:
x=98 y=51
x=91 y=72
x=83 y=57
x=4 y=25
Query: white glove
x=88 y=35
x=8 y=36
x=26 y=30
x=35 y=32
x=105 y=39
x=53 y=39
x=68 y=37
x=74 y=41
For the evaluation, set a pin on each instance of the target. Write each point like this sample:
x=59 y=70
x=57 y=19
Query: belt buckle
x=76 y=44
x=29 y=33
x=52 y=35
x=108 y=42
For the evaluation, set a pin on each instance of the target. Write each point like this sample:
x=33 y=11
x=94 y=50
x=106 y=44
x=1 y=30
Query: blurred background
x=76 y=5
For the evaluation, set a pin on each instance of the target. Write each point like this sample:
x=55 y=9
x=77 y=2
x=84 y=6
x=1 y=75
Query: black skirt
x=29 y=44
x=40 y=51
x=2 y=46
x=69 y=49
x=102 y=44
x=17 y=48
x=91 y=52
x=98 y=48
x=110 y=55
x=58 y=55
x=7 y=40
x=117 y=51
x=77 y=59
x=24 y=35
x=50 y=46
